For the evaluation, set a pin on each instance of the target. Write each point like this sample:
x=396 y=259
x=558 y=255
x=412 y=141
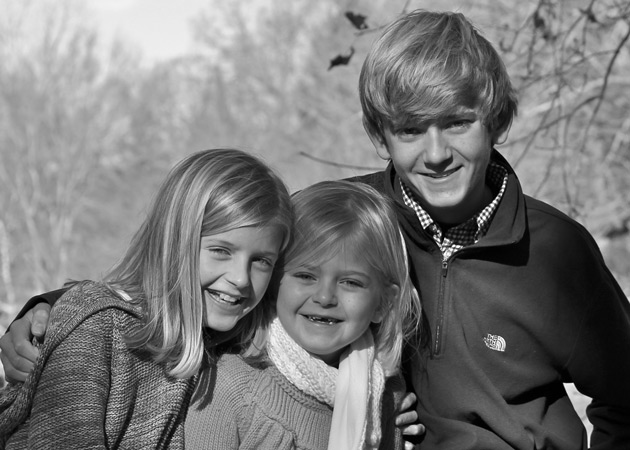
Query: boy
x=516 y=296
x=517 y=299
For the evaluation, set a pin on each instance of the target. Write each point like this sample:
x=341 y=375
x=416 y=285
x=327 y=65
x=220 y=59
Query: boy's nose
x=436 y=151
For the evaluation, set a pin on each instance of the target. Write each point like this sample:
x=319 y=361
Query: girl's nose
x=238 y=275
x=325 y=295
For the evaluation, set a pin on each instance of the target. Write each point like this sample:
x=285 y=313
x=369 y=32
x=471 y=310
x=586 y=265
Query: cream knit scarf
x=354 y=390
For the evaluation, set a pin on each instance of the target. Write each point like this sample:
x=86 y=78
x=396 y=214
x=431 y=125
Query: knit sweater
x=257 y=408
x=88 y=389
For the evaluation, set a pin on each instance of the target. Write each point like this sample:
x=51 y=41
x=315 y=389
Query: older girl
x=117 y=367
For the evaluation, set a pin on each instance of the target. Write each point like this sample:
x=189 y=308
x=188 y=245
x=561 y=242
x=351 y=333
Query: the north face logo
x=495 y=342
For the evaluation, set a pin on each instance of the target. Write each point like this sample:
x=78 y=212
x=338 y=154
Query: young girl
x=343 y=304
x=117 y=367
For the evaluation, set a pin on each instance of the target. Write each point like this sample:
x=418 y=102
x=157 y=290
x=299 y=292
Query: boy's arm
x=605 y=373
x=48 y=298
x=17 y=351
x=600 y=366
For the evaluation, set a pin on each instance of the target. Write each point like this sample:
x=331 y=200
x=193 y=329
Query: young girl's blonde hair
x=341 y=216
x=207 y=193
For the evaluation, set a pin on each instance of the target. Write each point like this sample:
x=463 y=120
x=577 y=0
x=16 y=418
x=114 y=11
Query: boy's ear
x=501 y=135
x=381 y=147
x=391 y=292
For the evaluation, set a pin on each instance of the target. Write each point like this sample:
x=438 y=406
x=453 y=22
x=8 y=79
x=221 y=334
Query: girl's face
x=326 y=306
x=235 y=268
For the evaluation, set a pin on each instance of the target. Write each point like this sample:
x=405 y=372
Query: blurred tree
x=569 y=60
x=87 y=131
x=263 y=76
x=61 y=122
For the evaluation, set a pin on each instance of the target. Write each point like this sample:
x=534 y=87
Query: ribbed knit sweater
x=88 y=390
x=257 y=408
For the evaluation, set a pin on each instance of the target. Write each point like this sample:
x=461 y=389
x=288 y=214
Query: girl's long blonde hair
x=209 y=192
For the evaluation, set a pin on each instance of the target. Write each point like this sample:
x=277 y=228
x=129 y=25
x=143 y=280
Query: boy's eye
x=458 y=124
x=409 y=131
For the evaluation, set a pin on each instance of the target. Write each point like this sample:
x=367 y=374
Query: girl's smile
x=235 y=268
x=326 y=306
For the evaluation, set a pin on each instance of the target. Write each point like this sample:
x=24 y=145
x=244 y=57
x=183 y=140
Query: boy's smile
x=444 y=163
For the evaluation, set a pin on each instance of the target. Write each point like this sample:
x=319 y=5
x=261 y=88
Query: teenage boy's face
x=444 y=162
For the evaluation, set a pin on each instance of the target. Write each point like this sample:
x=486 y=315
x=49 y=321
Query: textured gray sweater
x=247 y=408
x=88 y=390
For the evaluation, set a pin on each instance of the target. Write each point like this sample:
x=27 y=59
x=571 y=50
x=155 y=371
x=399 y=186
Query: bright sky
x=160 y=27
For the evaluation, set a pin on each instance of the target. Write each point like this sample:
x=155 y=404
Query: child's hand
x=18 y=354
x=407 y=419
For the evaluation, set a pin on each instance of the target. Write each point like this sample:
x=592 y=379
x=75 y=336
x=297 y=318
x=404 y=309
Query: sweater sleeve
x=71 y=397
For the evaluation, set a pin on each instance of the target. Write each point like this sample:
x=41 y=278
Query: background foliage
x=88 y=128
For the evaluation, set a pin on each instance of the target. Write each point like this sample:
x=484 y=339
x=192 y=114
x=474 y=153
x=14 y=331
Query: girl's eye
x=264 y=263
x=219 y=252
x=305 y=276
x=353 y=283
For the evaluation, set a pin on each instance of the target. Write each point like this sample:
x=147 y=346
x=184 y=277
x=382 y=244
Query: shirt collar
x=496 y=178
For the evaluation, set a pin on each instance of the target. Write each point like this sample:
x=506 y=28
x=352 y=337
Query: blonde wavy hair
x=209 y=192
x=337 y=216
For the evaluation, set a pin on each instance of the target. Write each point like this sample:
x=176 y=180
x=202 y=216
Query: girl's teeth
x=322 y=320
x=227 y=298
x=224 y=297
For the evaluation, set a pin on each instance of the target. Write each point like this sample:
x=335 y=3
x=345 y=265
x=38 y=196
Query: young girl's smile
x=235 y=268
x=328 y=305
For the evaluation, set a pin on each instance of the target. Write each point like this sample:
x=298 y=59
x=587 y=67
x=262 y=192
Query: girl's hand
x=407 y=419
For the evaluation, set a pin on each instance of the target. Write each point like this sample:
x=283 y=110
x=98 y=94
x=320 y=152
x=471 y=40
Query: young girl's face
x=325 y=306
x=235 y=268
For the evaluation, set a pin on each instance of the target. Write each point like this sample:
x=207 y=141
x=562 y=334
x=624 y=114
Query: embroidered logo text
x=495 y=342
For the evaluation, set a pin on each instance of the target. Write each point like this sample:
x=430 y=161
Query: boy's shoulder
x=562 y=230
x=374 y=179
x=539 y=210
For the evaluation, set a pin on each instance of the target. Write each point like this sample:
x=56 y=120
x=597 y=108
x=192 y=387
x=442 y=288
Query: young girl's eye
x=352 y=283
x=304 y=276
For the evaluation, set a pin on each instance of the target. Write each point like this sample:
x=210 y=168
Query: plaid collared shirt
x=468 y=232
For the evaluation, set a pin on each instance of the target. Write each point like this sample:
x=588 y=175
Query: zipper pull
x=444 y=268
